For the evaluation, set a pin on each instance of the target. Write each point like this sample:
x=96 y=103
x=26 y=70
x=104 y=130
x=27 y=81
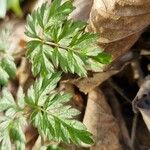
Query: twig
x=133 y=132
x=118 y=114
x=119 y=90
x=139 y=76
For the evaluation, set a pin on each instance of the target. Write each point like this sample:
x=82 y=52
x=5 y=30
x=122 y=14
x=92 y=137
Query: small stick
x=139 y=76
x=133 y=132
x=119 y=90
x=117 y=113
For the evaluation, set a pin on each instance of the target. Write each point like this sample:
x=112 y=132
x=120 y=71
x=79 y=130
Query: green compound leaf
x=7 y=65
x=52 y=116
x=12 y=122
x=3 y=8
x=4 y=77
x=57 y=42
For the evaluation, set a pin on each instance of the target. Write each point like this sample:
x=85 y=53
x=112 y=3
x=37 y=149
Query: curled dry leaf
x=103 y=126
x=88 y=84
x=141 y=102
x=119 y=22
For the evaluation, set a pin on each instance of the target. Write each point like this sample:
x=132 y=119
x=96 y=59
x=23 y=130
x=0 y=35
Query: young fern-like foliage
x=52 y=116
x=46 y=109
x=13 y=120
x=57 y=42
x=7 y=65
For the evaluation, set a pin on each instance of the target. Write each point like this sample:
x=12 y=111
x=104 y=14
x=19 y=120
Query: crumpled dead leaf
x=119 y=22
x=101 y=123
x=141 y=102
x=88 y=84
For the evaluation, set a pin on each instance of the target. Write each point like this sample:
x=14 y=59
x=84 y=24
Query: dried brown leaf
x=88 y=84
x=101 y=123
x=119 y=22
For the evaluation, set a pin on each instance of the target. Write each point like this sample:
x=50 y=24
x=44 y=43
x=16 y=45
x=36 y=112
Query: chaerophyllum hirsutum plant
x=7 y=65
x=56 y=44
